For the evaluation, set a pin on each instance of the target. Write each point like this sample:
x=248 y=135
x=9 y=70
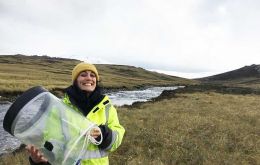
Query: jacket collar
x=80 y=99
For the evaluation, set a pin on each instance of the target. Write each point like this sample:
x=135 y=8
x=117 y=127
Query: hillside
x=199 y=124
x=247 y=76
x=20 y=72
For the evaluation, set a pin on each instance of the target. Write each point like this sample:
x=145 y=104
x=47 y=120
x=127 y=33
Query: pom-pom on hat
x=83 y=66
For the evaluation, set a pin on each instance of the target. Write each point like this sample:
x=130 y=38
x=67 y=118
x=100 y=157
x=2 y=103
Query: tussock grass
x=198 y=128
x=194 y=128
x=20 y=158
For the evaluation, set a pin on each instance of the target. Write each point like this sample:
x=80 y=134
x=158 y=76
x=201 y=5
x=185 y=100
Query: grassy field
x=192 y=128
x=18 y=73
x=250 y=82
x=198 y=126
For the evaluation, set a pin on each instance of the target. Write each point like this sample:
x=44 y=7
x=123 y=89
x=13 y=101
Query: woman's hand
x=95 y=132
x=35 y=154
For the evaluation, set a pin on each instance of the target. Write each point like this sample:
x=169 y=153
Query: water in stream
x=9 y=143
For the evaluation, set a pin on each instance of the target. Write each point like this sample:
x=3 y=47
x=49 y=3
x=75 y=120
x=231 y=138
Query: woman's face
x=87 y=81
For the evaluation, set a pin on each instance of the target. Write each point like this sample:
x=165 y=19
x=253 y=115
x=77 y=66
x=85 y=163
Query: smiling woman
x=85 y=97
x=86 y=76
x=87 y=81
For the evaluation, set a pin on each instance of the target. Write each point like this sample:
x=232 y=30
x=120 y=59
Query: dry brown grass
x=192 y=129
x=199 y=128
x=20 y=158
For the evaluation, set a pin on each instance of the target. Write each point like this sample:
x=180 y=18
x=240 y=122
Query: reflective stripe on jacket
x=103 y=113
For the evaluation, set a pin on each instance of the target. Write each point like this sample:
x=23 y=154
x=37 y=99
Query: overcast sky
x=187 y=38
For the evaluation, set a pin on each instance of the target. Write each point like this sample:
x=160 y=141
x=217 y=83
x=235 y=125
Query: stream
x=9 y=143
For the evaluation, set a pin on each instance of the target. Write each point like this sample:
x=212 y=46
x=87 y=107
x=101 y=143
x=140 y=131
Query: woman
x=85 y=97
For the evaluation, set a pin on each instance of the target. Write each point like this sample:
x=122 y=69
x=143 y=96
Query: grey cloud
x=188 y=36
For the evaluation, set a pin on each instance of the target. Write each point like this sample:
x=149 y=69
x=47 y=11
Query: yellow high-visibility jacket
x=103 y=113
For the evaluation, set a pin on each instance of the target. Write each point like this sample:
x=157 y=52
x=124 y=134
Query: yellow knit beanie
x=83 y=66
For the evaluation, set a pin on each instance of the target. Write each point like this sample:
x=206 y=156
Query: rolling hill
x=247 y=76
x=20 y=72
